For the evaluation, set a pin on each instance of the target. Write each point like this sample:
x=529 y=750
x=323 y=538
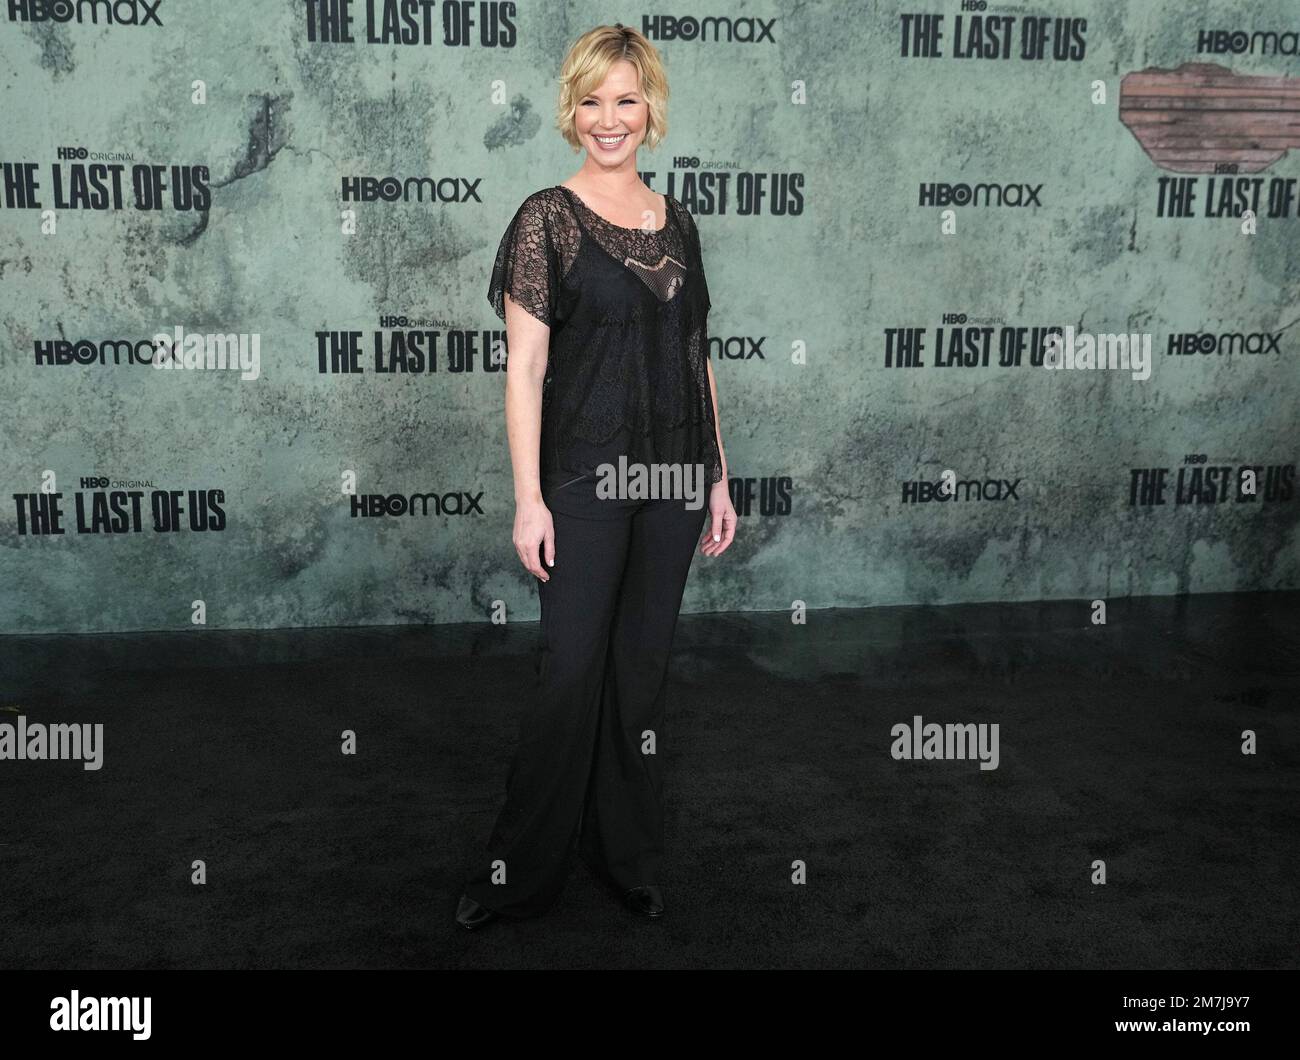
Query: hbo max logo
x=115 y=12
x=395 y=189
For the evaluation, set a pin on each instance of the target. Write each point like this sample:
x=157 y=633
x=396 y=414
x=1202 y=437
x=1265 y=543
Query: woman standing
x=601 y=285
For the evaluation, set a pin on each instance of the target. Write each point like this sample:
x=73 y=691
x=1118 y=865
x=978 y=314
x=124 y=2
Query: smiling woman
x=611 y=119
x=601 y=284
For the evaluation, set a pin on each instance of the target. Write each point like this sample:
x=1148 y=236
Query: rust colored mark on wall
x=1201 y=115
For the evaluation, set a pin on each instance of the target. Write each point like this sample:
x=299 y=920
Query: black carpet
x=1118 y=743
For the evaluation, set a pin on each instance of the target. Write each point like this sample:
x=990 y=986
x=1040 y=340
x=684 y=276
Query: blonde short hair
x=587 y=65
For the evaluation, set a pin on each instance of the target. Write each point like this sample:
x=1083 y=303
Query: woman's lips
x=614 y=146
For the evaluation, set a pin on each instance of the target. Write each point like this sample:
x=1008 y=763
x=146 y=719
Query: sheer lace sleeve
x=699 y=255
x=698 y=346
x=526 y=265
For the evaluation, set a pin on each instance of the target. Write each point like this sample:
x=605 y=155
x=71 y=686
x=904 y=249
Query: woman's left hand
x=720 y=528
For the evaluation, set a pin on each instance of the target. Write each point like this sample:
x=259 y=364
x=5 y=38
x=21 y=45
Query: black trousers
x=587 y=773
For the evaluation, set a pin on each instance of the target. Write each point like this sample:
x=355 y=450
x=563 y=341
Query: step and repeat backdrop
x=1004 y=300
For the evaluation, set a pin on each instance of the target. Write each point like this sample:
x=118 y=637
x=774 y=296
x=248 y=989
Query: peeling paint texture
x=279 y=252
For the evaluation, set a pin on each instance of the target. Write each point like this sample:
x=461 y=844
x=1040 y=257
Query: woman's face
x=611 y=122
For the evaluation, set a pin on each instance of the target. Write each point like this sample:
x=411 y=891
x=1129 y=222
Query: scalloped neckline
x=622 y=228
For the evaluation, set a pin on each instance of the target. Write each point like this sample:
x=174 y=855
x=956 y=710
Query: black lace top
x=626 y=371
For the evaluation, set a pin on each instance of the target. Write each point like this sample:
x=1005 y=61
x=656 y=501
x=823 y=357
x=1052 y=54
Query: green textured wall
x=825 y=116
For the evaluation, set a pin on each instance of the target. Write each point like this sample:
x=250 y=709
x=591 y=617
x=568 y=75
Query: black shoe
x=645 y=901
x=472 y=916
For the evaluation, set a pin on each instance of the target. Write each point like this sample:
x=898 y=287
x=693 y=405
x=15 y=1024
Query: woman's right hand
x=534 y=533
